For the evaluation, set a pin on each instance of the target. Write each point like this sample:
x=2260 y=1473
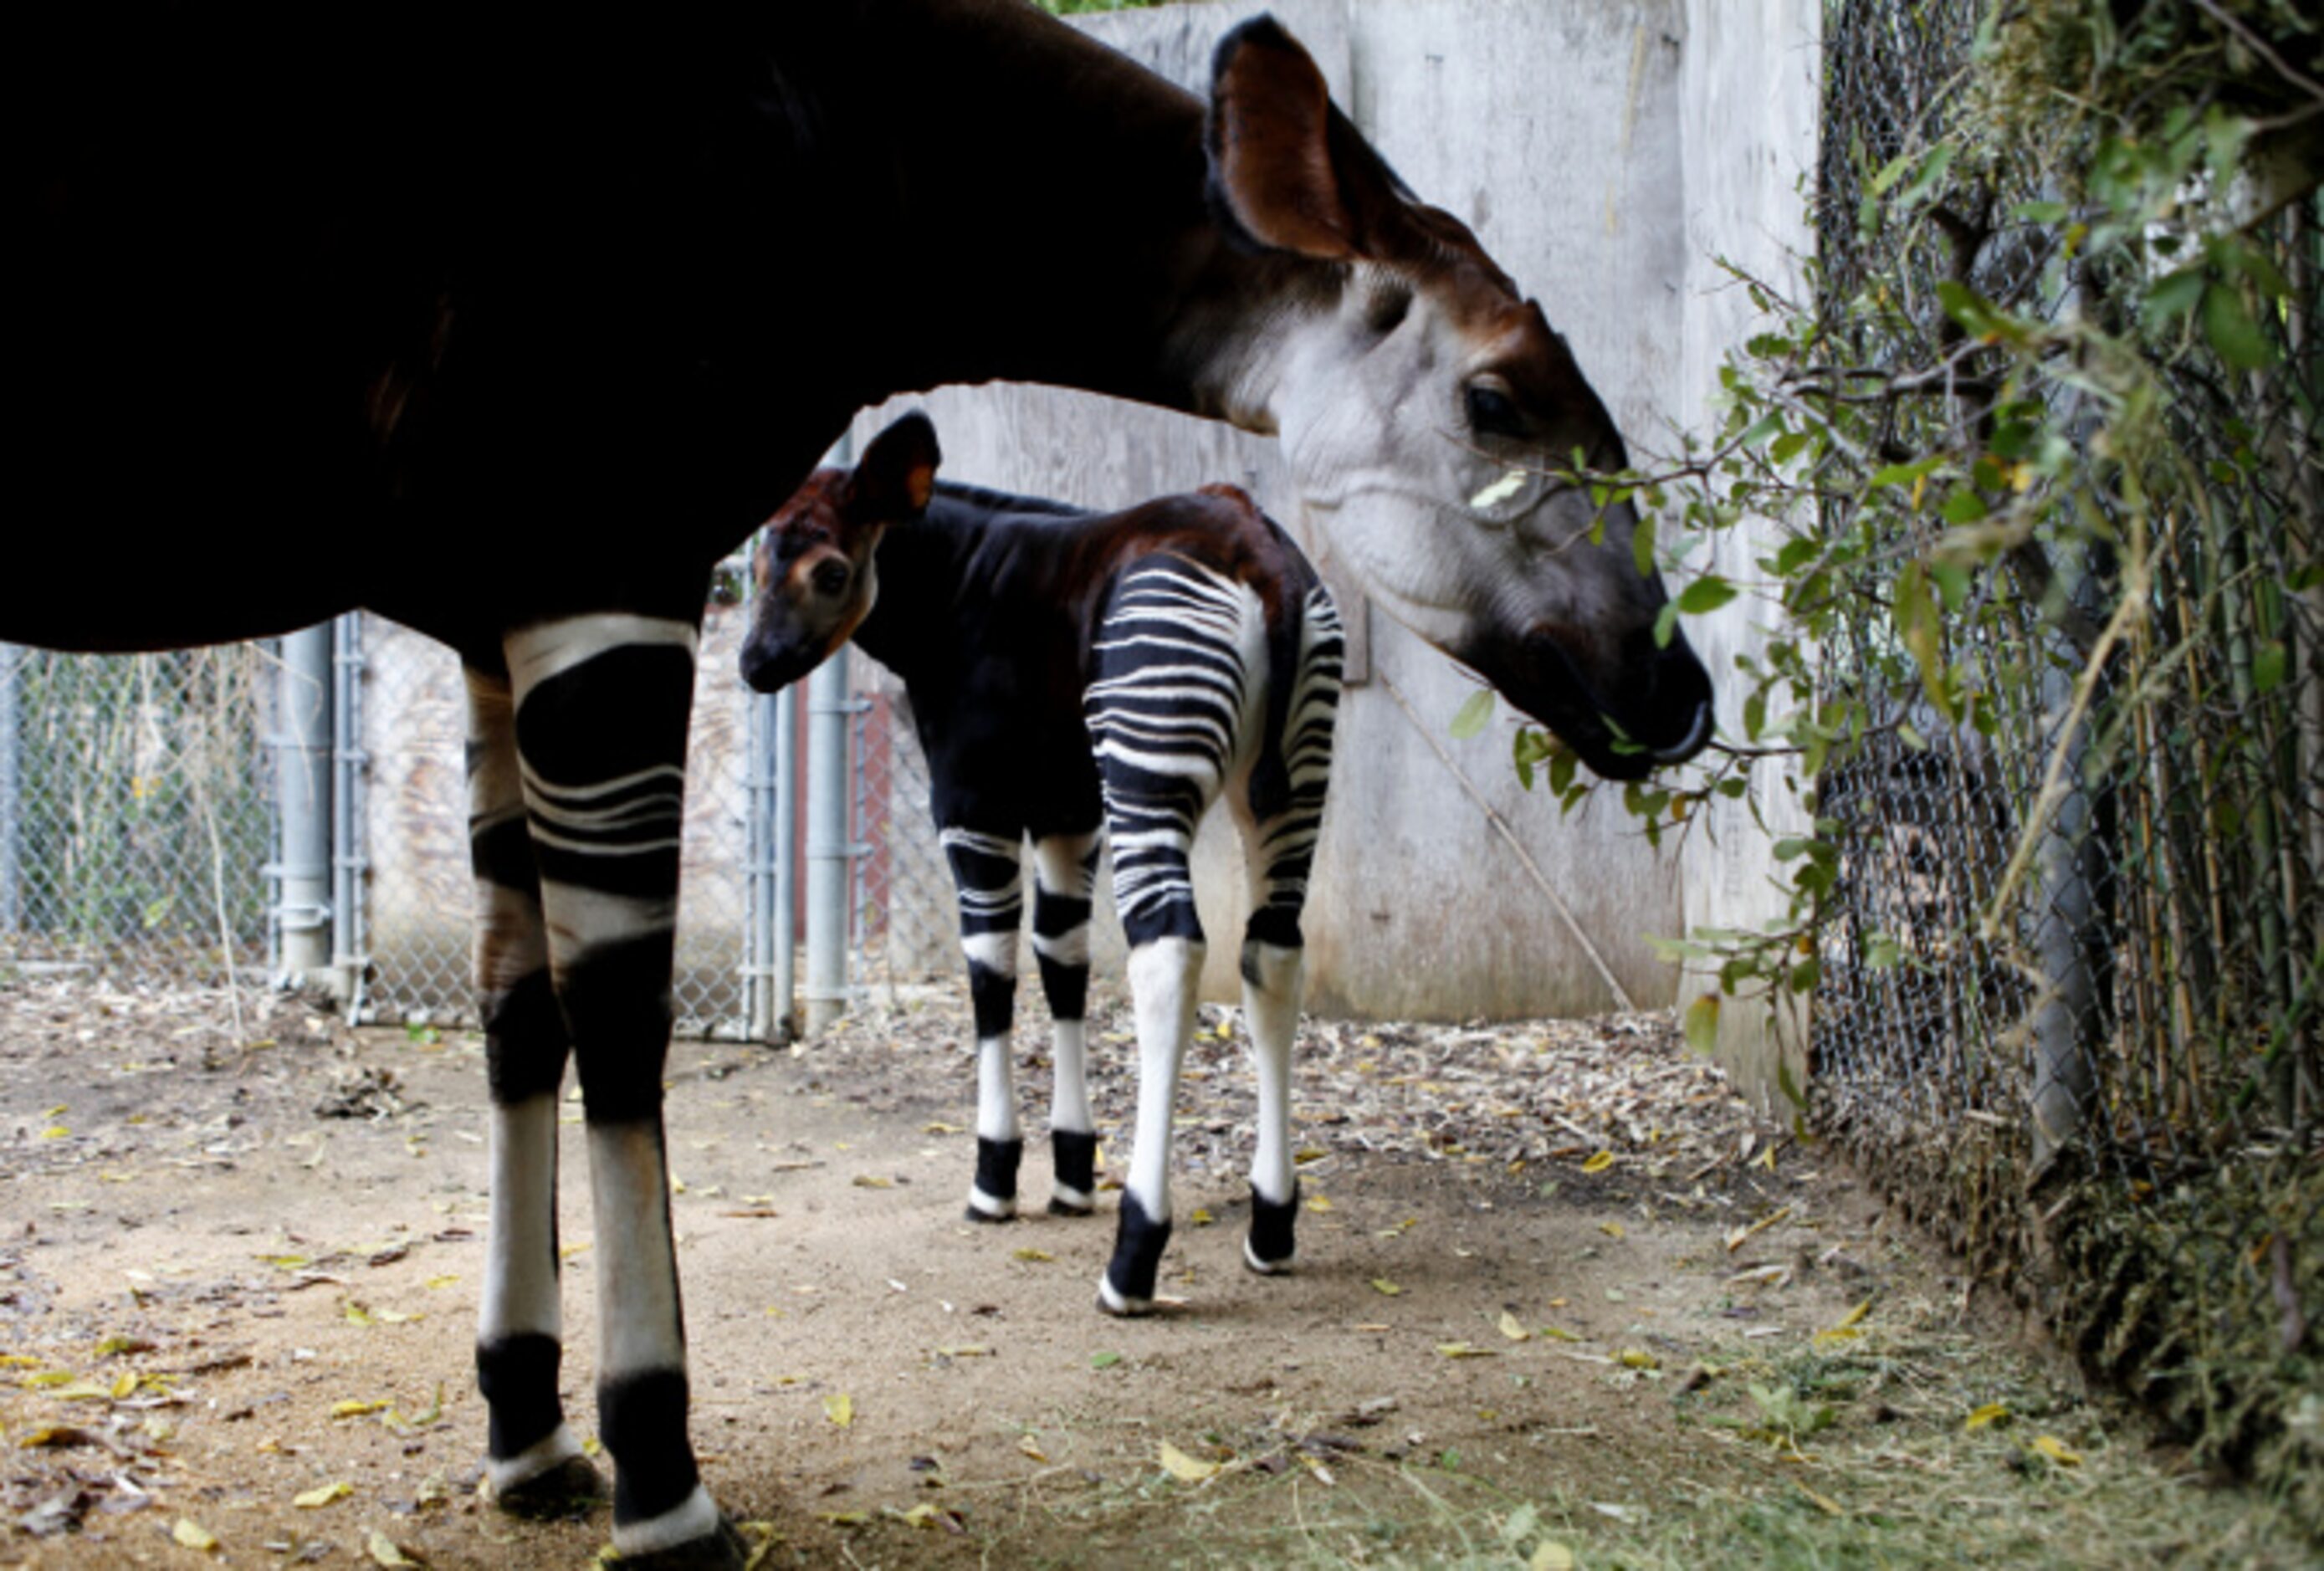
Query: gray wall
x=1749 y=122
x=1554 y=129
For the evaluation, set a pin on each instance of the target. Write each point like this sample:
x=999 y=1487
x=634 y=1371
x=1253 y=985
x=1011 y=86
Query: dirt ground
x=1561 y=1301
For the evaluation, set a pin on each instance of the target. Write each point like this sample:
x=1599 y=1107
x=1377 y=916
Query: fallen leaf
x=316 y=1498
x=1031 y=1447
x=432 y=1283
x=1636 y=1358
x=1599 y=1163
x=1319 y=1203
x=871 y=1181
x=1824 y=1502
x=195 y=1536
x=1511 y=1329
x=1463 y=1350
x=1202 y=1216
x=1104 y=1360
x=1611 y=1229
x=971 y=1350
x=57 y=1436
x=839 y=1410
x=1035 y=1256
x=844 y=1519
x=384 y=1550
x=114 y=1346
x=1185 y=1468
x=1382 y=1284
x=2055 y=1450
x=1991 y=1413
x=938 y=1126
x=355 y=1410
x=1549 y=1554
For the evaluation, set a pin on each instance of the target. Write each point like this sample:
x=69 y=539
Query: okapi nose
x=762 y=671
x=1681 y=688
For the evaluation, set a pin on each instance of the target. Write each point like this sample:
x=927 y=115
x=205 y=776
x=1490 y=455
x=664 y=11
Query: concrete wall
x=1748 y=114
x=1554 y=129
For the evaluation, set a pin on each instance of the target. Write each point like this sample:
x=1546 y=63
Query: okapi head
x=1432 y=419
x=813 y=568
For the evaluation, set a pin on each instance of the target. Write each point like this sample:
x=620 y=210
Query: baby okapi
x=1070 y=670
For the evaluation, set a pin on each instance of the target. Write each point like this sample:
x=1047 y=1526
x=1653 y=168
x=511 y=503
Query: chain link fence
x=136 y=831
x=2093 y=1055
x=411 y=939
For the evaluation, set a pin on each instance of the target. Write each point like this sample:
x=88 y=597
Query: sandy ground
x=1533 y=1257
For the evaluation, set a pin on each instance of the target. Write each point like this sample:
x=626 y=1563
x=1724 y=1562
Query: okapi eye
x=1492 y=413
x=830 y=578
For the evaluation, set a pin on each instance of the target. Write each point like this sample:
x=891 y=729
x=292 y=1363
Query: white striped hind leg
x=1168 y=707
x=601 y=706
x=1065 y=869
x=532 y=1461
x=1280 y=812
x=1272 y=972
x=988 y=872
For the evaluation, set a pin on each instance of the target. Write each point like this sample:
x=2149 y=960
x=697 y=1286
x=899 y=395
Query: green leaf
x=1665 y=624
x=1765 y=427
x=2174 y=294
x=2267 y=666
x=1642 y=545
x=2227 y=323
x=1706 y=594
x=1701 y=1024
x=1963 y=506
x=1470 y=720
x=1932 y=170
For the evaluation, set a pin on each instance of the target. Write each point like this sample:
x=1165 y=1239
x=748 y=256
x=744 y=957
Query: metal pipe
x=348 y=868
x=828 y=849
x=11 y=792
x=785 y=929
x=303 y=788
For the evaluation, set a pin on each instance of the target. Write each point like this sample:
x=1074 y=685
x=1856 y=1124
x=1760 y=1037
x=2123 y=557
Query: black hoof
x=989 y=1218
x=1073 y=1157
x=1138 y=1241
x=1268 y=1248
x=573 y=1488
x=723 y=1550
x=1070 y=1208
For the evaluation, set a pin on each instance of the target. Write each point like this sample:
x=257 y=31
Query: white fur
x=558 y=1445
x=695 y=1517
x=520 y=1292
x=637 y=1268
x=1271 y=1011
x=1163 y=978
x=1069 y=1107
x=537 y=653
x=996 y=1090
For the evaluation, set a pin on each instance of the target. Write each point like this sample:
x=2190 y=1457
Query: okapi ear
x=896 y=475
x=1286 y=164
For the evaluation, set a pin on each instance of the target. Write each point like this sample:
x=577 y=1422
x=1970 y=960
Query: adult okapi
x=508 y=322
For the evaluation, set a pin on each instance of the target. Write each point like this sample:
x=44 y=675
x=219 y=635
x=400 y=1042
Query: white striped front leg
x=1065 y=869
x=533 y=1460
x=602 y=707
x=989 y=877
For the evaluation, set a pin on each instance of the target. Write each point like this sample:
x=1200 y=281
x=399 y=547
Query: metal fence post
x=773 y=814
x=11 y=793
x=785 y=931
x=348 y=960
x=827 y=849
x=302 y=787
